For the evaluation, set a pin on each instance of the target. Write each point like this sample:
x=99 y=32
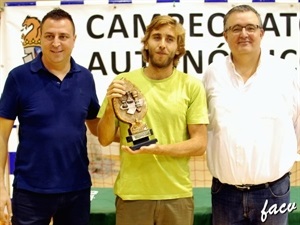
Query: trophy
x=131 y=108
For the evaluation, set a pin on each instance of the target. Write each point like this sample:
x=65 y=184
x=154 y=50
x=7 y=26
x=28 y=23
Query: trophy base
x=141 y=139
x=138 y=144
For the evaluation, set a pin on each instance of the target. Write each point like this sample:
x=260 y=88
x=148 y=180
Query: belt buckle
x=243 y=187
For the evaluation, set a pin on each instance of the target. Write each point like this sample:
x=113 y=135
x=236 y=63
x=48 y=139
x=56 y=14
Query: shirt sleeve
x=9 y=99
x=296 y=117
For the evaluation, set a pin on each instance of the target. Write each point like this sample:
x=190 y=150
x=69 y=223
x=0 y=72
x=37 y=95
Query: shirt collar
x=37 y=65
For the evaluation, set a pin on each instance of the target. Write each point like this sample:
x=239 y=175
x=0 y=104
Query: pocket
x=118 y=203
x=280 y=188
x=216 y=186
x=188 y=204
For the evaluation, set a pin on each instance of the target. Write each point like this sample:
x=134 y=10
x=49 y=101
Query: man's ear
x=262 y=33
x=225 y=35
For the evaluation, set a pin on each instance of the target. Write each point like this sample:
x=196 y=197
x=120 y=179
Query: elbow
x=94 y=132
x=102 y=135
x=103 y=141
x=106 y=136
x=201 y=150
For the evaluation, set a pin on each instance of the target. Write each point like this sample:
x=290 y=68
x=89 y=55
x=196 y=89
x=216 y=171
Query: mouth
x=56 y=52
x=244 y=42
x=161 y=53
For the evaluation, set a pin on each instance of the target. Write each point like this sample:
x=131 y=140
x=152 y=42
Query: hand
x=5 y=218
x=150 y=149
x=115 y=90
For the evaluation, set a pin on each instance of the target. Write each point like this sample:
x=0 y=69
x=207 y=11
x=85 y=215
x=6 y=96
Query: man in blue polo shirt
x=52 y=97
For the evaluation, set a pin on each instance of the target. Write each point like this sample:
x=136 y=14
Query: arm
x=92 y=125
x=194 y=146
x=106 y=127
x=296 y=115
x=5 y=130
x=297 y=130
x=107 y=130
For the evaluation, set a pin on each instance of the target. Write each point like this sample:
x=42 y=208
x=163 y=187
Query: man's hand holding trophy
x=131 y=108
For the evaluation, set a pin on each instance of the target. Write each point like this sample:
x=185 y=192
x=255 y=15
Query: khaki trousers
x=155 y=212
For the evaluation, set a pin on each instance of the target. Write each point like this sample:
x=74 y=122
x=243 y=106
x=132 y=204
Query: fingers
x=129 y=150
x=116 y=89
x=9 y=210
x=5 y=219
x=150 y=149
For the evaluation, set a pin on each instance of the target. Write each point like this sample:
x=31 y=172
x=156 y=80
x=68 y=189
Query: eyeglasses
x=237 y=29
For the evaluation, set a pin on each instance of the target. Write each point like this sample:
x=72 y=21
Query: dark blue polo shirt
x=52 y=152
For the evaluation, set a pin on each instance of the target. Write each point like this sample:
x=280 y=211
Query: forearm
x=5 y=130
x=5 y=201
x=93 y=126
x=106 y=127
x=3 y=161
x=297 y=129
x=191 y=147
x=195 y=146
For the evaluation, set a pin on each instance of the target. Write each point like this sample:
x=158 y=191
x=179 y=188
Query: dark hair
x=156 y=23
x=241 y=8
x=58 y=14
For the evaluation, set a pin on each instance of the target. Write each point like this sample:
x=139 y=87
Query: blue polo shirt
x=52 y=152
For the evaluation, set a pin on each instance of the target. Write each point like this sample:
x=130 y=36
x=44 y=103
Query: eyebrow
x=160 y=34
x=58 y=33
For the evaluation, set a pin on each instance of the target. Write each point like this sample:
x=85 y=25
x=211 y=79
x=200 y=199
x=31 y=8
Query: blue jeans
x=31 y=208
x=231 y=206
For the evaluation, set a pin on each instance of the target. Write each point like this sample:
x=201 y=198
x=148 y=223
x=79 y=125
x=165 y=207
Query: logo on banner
x=31 y=38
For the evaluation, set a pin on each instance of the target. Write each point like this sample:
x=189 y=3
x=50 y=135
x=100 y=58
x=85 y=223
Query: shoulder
x=83 y=70
x=190 y=79
x=219 y=63
x=20 y=68
x=21 y=73
x=278 y=67
x=276 y=62
x=84 y=75
x=191 y=82
x=217 y=69
x=79 y=69
x=131 y=75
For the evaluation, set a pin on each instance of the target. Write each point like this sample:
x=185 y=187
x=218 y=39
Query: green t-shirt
x=172 y=103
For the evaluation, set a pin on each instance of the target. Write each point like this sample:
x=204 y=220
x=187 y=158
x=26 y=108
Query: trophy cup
x=131 y=108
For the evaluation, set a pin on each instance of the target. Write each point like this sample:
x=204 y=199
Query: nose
x=244 y=32
x=56 y=42
x=162 y=43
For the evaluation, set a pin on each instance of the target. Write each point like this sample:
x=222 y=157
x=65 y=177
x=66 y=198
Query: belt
x=248 y=187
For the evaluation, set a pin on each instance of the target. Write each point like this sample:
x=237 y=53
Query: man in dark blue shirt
x=53 y=99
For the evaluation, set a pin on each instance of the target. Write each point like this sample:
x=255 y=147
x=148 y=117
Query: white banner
x=108 y=36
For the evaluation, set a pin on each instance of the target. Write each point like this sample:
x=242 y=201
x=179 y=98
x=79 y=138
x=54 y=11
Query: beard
x=161 y=61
